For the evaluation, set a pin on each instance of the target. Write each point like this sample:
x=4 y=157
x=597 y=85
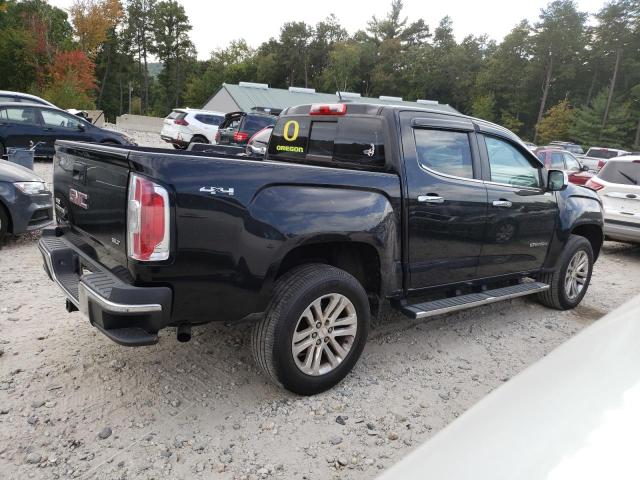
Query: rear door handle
x=502 y=203
x=430 y=199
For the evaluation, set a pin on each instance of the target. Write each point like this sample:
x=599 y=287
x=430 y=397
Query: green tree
x=587 y=128
x=558 y=41
x=170 y=29
x=614 y=35
x=139 y=32
x=484 y=107
x=556 y=123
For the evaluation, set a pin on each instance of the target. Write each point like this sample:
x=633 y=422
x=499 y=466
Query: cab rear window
x=344 y=141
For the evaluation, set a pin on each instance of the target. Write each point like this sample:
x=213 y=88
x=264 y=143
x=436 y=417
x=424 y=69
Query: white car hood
x=573 y=415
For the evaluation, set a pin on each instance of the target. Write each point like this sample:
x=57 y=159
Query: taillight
x=601 y=164
x=593 y=185
x=328 y=109
x=218 y=137
x=181 y=121
x=147 y=220
x=240 y=136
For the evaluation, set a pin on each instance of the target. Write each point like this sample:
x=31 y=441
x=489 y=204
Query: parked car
x=358 y=208
x=555 y=158
x=596 y=157
x=569 y=147
x=239 y=127
x=25 y=201
x=572 y=415
x=23 y=124
x=187 y=125
x=257 y=145
x=618 y=185
x=7 y=96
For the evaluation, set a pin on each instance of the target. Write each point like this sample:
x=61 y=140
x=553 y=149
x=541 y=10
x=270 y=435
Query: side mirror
x=585 y=168
x=557 y=180
x=81 y=127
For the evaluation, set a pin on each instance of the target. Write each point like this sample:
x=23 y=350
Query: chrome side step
x=446 y=305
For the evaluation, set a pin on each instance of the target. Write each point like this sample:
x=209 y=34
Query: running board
x=452 y=304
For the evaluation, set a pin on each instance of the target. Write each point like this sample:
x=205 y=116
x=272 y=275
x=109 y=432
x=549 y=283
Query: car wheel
x=314 y=329
x=4 y=223
x=199 y=139
x=569 y=282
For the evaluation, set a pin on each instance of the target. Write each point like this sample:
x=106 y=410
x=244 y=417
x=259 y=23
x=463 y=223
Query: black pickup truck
x=354 y=209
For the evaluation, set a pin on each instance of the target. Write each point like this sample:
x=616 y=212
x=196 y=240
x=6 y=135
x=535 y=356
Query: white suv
x=186 y=125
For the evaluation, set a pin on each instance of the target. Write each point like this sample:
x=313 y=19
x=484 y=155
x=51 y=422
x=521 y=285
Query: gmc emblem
x=78 y=198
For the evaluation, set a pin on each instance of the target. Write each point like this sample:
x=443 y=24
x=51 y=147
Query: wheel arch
x=593 y=233
x=359 y=259
x=6 y=210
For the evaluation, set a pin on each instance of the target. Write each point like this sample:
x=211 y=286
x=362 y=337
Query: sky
x=216 y=23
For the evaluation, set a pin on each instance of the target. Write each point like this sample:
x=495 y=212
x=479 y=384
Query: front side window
x=557 y=161
x=509 y=166
x=572 y=163
x=60 y=120
x=19 y=115
x=444 y=152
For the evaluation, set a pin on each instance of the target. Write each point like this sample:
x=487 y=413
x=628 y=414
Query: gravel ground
x=75 y=405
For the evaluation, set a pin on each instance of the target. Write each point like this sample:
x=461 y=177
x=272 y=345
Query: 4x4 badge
x=216 y=190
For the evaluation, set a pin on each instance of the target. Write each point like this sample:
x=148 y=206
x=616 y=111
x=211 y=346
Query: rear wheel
x=314 y=329
x=199 y=139
x=569 y=282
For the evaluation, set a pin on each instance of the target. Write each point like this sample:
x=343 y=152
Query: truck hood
x=12 y=172
x=574 y=190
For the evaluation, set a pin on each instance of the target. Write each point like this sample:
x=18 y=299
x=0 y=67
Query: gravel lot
x=75 y=405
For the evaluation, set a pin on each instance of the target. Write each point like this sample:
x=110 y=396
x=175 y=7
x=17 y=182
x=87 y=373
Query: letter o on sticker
x=296 y=130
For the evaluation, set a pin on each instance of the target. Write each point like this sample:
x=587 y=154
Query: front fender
x=577 y=206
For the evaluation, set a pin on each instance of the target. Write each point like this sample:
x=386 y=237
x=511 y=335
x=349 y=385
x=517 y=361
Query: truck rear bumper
x=128 y=315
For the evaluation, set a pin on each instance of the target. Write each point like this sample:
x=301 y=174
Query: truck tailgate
x=90 y=189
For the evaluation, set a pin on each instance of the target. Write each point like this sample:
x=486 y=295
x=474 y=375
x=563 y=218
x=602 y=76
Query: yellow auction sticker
x=296 y=130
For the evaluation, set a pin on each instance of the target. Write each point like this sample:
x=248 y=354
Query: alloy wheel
x=324 y=334
x=576 y=277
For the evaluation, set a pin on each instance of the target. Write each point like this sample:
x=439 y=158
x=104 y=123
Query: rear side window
x=209 y=119
x=173 y=115
x=350 y=141
x=255 y=123
x=19 y=115
x=625 y=173
x=444 y=152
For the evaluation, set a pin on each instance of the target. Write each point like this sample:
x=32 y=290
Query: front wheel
x=569 y=282
x=314 y=329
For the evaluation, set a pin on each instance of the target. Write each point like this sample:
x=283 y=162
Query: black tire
x=557 y=297
x=198 y=139
x=4 y=222
x=272 y=336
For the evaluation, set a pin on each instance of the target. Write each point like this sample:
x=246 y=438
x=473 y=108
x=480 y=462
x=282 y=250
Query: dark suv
x=238 y=127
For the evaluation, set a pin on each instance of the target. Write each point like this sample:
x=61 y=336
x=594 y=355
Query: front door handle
x=430 y=199
x=502 y=203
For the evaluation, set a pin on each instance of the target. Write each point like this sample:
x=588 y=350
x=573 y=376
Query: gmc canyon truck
x=353 y=210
